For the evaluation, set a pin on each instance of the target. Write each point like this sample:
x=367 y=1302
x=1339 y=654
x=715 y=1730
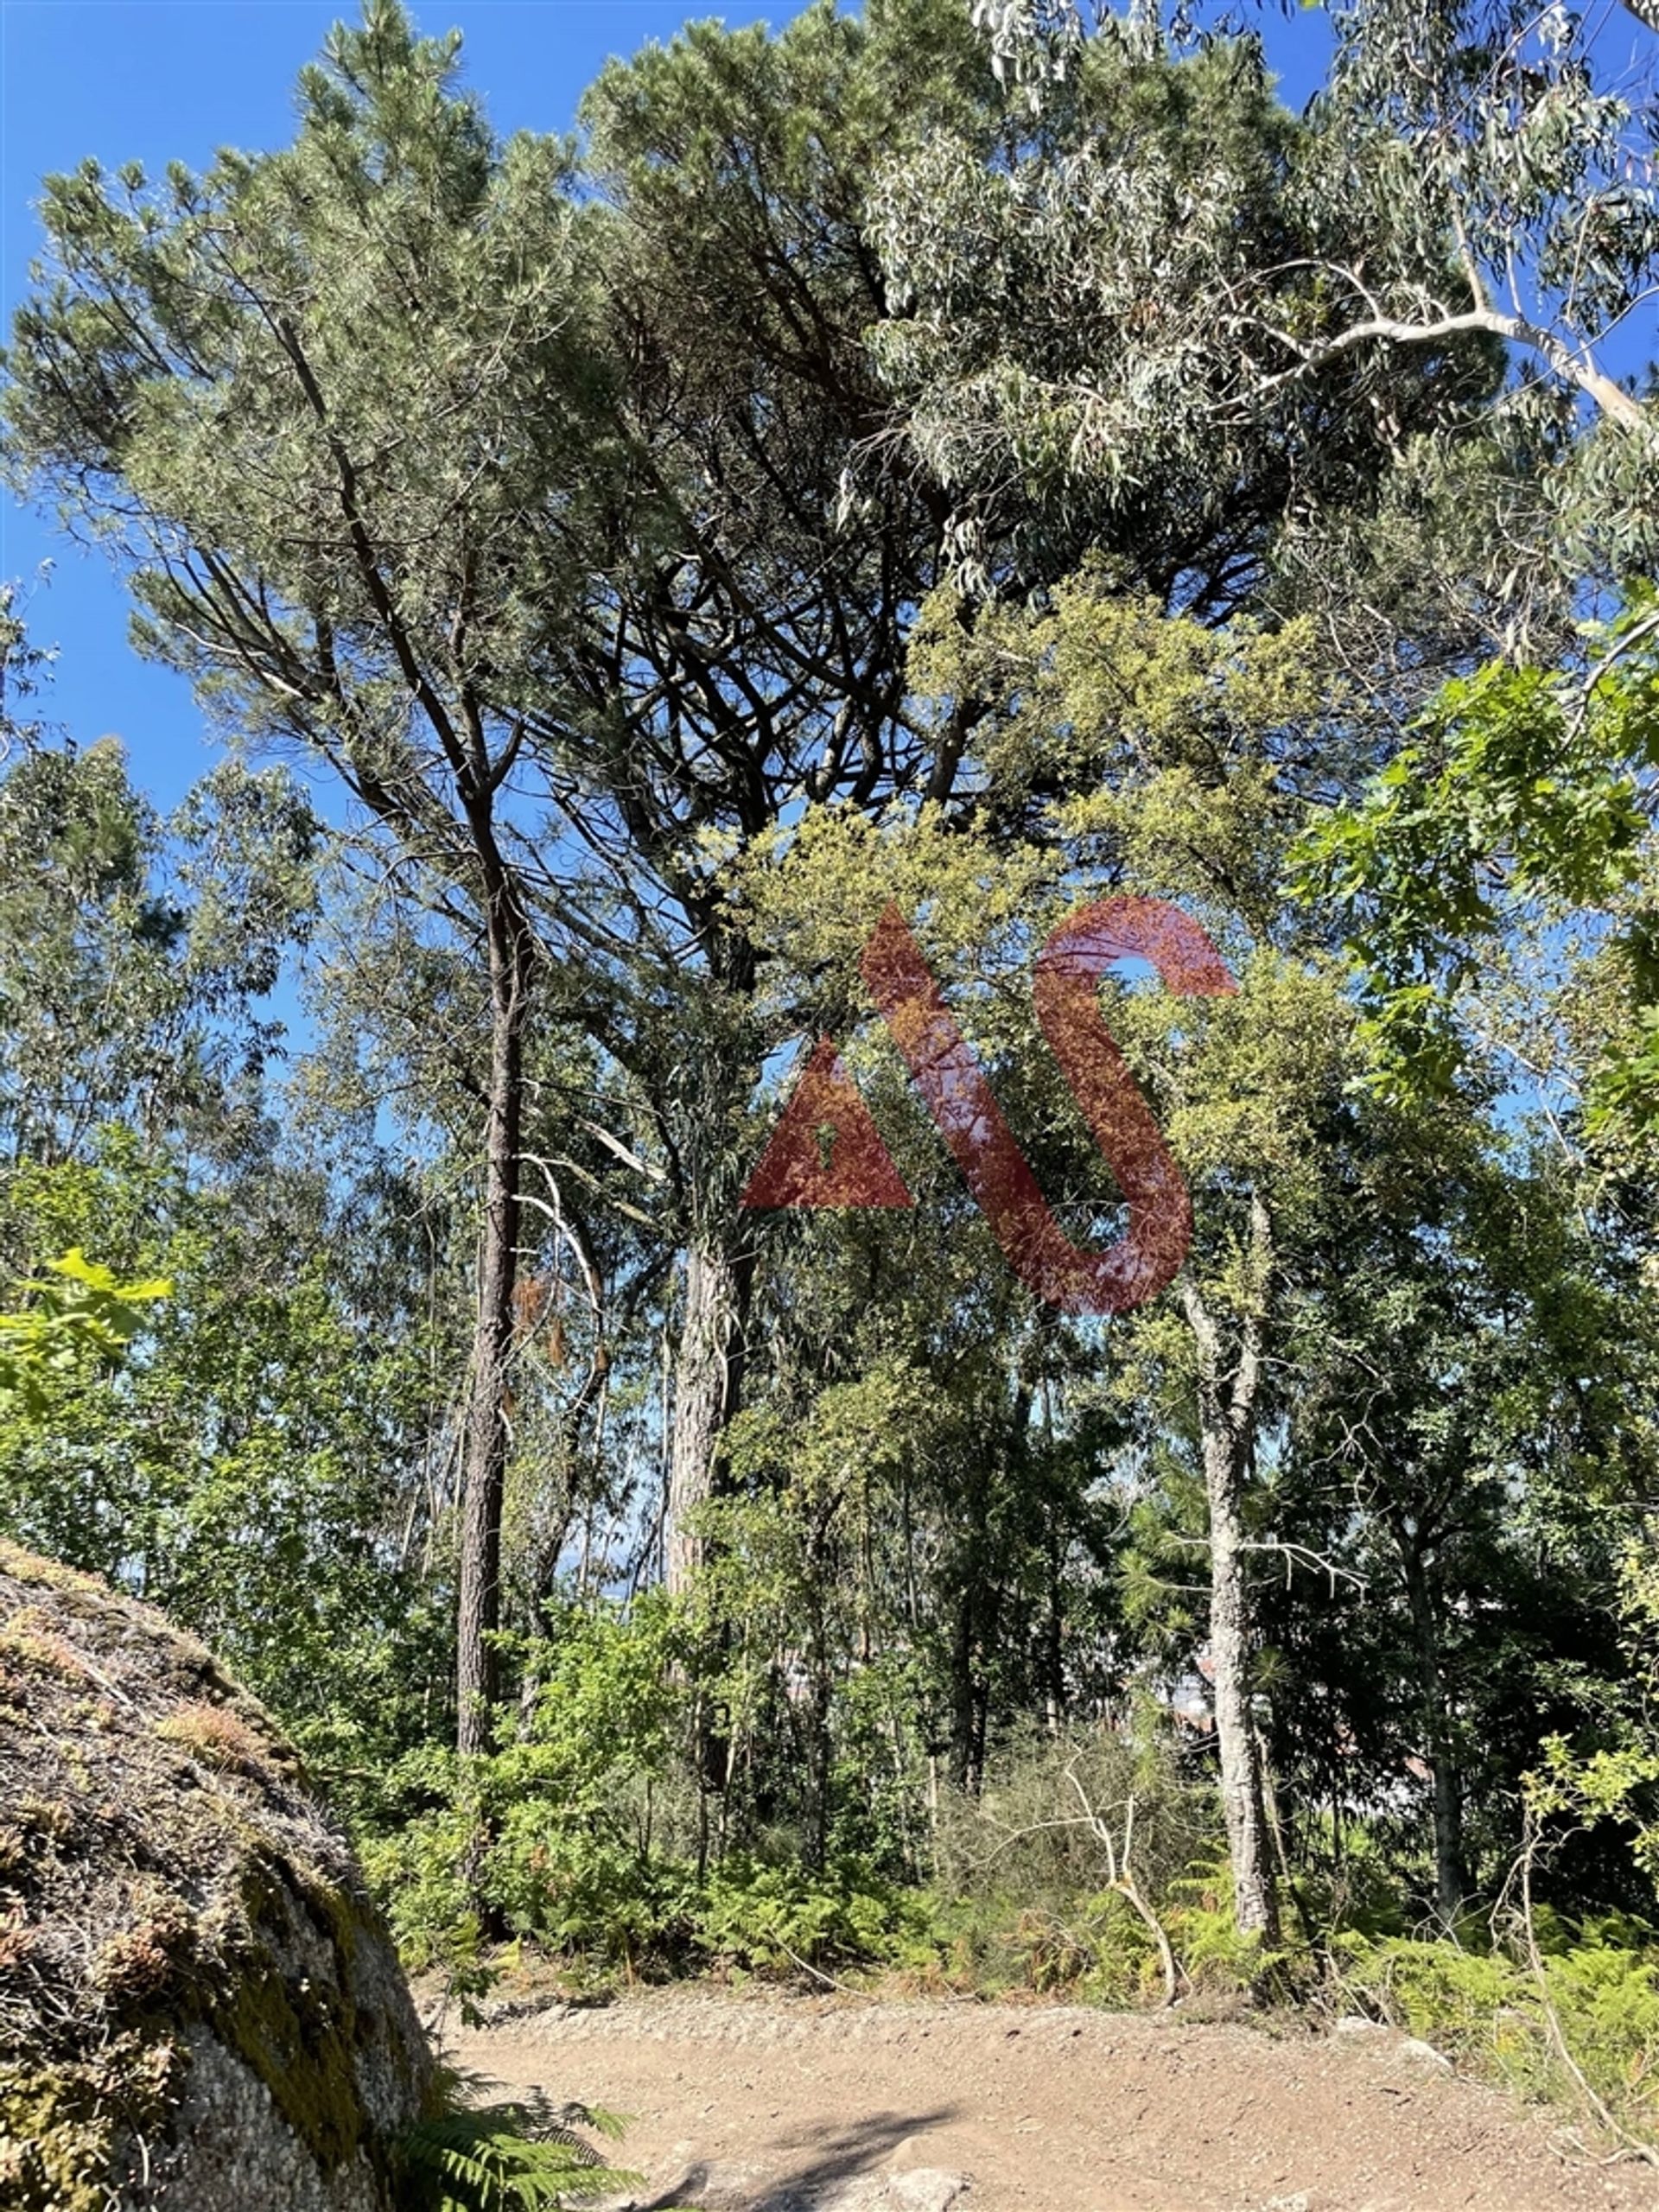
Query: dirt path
x=779 y=2104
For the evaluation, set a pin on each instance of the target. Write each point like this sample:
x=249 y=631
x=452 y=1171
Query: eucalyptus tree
x=1088 y=333
x=1516 y=139
x=1472 y=174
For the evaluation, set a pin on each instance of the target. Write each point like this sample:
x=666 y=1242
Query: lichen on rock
x=199 y=2006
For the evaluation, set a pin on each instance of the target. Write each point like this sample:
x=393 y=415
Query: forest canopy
x=947 y=461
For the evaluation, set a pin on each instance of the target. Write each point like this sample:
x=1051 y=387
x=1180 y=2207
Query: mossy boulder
x=199 y=2008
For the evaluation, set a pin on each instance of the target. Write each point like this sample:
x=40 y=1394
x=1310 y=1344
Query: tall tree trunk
x=708 y=1389
x=1241 y=1797
x=720 y=1260
x=1054 y=1564
x=1227 y=1432
x=1054 y=1629
x=485 y=1463
x=973 y=1630
x=1451 y=1871
x=964 y=1692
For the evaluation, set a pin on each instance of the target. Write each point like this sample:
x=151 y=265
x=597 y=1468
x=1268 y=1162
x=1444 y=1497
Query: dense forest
x=936 y=460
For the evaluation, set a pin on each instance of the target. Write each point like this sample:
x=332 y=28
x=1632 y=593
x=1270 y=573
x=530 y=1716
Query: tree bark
x=964 y=1698
x=1241 y=1799
x=1227 y=1431
x=486 y=1432
x=708 y=1390
x=1573 y=364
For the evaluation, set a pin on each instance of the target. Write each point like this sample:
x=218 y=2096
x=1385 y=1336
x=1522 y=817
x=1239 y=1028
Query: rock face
x=199 y=2008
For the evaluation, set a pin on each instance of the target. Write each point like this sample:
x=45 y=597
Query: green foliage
x=1086 y=318
x=597 y=1907
x=1494 y=161
x=525 y=2156
x=1021 y=1902
x=788 y=1920
x=1520 y=790
x=1216 y=1955
x=689 y=423
x=131 y=948
x=1615 y=1780
x=230 y=1470
x=1599 y=1996
x=1028 y=1833
x=564 y=1814
x=572 y=1836
x=83 y=1314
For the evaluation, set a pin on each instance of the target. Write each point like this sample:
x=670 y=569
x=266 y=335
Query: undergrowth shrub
x=1592 y=2005
x=571 y=1837
x=767 y=1919
x=1093 y=1948
x=562 y=1838
x=1023 y=1896
x=557 y=1834
x=1029 y=1832
x=576 y=1841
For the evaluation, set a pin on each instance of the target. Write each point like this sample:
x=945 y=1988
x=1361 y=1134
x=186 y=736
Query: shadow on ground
x=837 y=2155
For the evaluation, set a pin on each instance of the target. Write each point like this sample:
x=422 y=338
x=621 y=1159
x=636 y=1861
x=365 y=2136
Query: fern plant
x=526 y=2155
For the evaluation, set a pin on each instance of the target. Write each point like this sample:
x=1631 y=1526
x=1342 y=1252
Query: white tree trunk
x=707 y=1378
x=1227 y=1431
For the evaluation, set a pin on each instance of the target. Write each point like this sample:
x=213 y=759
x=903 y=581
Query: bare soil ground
x=761 y=2102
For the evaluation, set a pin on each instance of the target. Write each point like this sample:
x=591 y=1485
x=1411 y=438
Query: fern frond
x=598 y=2119
x=523 y=2156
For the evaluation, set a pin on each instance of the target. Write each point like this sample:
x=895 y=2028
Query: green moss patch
x=62 y=2126
x=162 y=1867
